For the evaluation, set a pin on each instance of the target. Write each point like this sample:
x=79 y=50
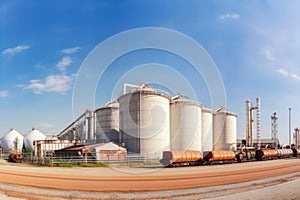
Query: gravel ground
x=285 y=191
x=277 y=188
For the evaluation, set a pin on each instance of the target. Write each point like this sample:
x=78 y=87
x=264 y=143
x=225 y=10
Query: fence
x=132 y=161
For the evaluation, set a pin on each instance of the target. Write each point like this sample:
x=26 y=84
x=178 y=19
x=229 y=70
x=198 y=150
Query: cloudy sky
x=254 y=44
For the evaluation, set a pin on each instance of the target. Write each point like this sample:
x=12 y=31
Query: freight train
x=190 y=158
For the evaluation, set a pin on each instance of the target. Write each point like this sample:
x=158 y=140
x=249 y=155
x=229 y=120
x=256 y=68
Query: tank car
x=285 y=153
x=181 y=158
x=214 y=157
x=266 y=154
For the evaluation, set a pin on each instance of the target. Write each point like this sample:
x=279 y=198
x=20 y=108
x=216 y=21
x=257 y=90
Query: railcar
x=266 y=154
x=16 y=157
x=285 y=153
x=214 y=157
x=181 y=158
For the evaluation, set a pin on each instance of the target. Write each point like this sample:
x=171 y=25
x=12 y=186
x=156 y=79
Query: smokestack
x=249 y=140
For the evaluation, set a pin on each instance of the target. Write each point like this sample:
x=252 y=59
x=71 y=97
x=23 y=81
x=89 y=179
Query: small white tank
x=207 y=129
x=12 y=141
x=186 y=122
x=224 y=133
x=34 y=135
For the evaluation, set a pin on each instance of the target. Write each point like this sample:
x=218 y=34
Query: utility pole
x=290 y=126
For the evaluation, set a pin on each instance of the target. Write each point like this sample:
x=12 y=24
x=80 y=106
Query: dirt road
x=164 y=179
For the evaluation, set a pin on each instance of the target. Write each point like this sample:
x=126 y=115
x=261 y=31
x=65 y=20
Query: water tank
x=207 y=129
x=12 y=141
x=186 y=122
x=34 y=135
x=107 y=123
x=145 y=121
x=224 y=133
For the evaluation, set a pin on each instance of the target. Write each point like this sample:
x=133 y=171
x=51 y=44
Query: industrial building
x=147 y=122
x=47 y=147
x=264 y=143
x=98 y=152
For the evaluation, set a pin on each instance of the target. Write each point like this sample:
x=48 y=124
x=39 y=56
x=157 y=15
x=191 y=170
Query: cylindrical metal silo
x=145 y=122
x=186 y=122
x=224 y=133
x=207 y=129
x=12 y=141
x=107 y=124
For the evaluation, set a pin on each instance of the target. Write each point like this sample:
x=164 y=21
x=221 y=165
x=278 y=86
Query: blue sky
x=255 y=45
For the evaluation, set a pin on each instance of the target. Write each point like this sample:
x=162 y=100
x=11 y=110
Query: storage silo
x=12 y=141
x=224 y=133
x=145 y=121
x=186 y=122
x=207 y=129
x=107 y=123
x=34 y=135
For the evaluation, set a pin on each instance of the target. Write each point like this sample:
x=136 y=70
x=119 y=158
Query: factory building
x=147 y=122
x=98 y=152
x=264 y=142
x=47 y=147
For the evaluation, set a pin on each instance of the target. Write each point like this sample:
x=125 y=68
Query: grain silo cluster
x=147 y=122
x=13 y=141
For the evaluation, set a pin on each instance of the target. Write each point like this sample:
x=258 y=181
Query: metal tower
x=258 y=130
x=274 y=128
x=249 y=123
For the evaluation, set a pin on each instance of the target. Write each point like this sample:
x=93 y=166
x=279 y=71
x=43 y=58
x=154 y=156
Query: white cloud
x=268 y=54
x=15 y=50
x=3 y=93
x=295 y=76
x=53 y=83
x=63 y=63
x=233 y=16
x=287 y=73
x=46 y=125
x=70 y=50
x=283 y=72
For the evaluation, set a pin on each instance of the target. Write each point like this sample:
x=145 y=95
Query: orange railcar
x=179 y=158
x=220 y=156
x=266 y=154
x=16 y=157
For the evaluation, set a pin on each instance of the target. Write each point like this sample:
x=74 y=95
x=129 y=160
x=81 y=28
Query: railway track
x=144 y=182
